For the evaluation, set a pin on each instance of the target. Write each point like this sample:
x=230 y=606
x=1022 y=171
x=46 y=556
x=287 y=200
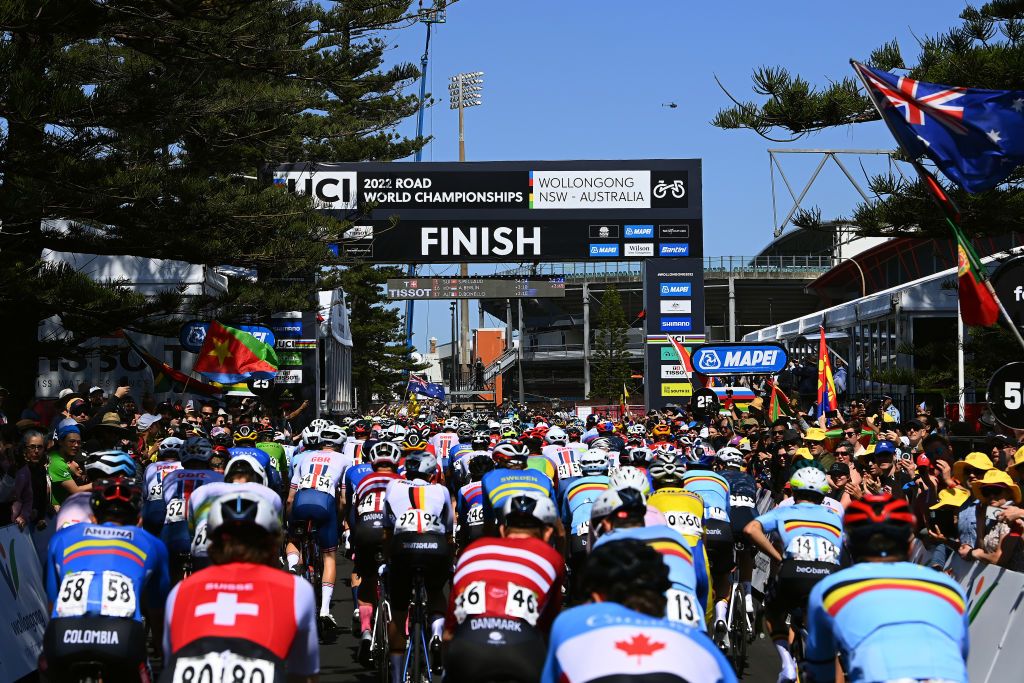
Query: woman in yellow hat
x=998 y=540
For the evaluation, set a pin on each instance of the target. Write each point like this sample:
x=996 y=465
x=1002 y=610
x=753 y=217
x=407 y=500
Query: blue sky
x=568 y=79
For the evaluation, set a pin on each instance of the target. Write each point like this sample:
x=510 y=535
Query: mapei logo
x=9 y=568
x=604 y=250
x=639 y=232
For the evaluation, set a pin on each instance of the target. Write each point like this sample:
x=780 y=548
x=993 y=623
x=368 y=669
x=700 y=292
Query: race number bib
x=370 y=503
x=118 y=595
x=175 y=511
x=571 y=470
x=222 y=667
x=200 y=541
x=472 y=601
x=156 y=490
x=419 y=521
x=717 y=513
x=318 y=483
x=682 y=607
x=812 y=549
x=522 y=604
x=475 y=515
x=741 y=501
x=685 y=523
x=73 y=596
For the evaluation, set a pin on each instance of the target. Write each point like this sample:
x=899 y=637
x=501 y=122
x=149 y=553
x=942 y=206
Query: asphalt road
x=338 y=652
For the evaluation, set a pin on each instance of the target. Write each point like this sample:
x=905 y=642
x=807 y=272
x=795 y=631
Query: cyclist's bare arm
x=755 y=532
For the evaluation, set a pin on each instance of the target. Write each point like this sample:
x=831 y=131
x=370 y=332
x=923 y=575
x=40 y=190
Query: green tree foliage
x=380 y=356
x=144 y=128
x=986 y=50
x=610 y=370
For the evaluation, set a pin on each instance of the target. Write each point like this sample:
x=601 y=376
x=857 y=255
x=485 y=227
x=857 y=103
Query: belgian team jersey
x=579 y=499
x=713 y=490
x=888 y=621
x=504 y=578
x=418 y=507
x=807 y=532
x=501 y=484
x=105 y=570
x=608 y=642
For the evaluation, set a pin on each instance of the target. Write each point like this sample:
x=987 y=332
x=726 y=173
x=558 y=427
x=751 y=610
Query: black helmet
x=479 y=465
x=245 y=435
x=118 y=498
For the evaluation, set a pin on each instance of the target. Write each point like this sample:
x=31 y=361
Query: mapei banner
x=508 y=211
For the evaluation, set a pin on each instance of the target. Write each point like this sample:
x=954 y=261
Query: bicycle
x=311 y=561
x=379 y=643
x=417 y=654
x=796 y=648
x=740 y=629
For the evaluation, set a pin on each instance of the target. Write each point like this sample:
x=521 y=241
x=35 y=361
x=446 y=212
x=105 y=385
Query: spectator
x=944 y=527
x=64 y=468
x=96 y=400
x=999 y=540
x=19 y=502
x=150 y=433
x=890 y=409
x=814 y=442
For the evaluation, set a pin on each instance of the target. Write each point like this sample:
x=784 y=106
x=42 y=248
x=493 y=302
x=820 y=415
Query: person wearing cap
x=943 y=524
x=1002 y=449
x=814 y=441
x=881 y=474
x=150 y=435
x=95 y=398
x=998 y=540
x=63 y=467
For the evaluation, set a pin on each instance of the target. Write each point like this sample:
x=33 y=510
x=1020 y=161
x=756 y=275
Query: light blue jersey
x=808 y=532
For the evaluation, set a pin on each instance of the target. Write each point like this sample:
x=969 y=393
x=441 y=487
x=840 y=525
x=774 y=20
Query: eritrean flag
x=166 y=378
x=230 y=356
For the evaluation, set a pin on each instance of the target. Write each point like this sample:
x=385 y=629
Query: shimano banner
x=507 y=211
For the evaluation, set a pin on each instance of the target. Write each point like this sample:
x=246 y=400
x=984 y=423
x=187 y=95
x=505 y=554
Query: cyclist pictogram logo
x=677 y=188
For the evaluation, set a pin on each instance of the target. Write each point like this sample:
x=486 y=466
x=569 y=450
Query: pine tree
x=145 y=128
x=984 y=51
x=611 y=360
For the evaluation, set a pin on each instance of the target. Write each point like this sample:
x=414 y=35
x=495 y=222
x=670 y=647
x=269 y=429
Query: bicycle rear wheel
x=416 y=672
x=381 y=651
x=738 y=634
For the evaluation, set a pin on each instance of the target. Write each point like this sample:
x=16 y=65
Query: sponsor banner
x=675 y=306
x=739 y=359
x=474 y=288
x=668 y=352
x=674 y=232
x=686 y=339
x=676 y=389
x=604 y=232
x=300 y=344
x=674 y=249
x=288 y=377
x=638 y=249
x=683 y=324
x=674 y=371
x=636 y=232
x=675 y=289
x=604 y=250
x=23 y=613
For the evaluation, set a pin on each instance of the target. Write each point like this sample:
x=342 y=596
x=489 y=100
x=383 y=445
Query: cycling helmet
x=731 y=457
x=666 y=473
x=479 y=465
x=594 y=461
x=332 y=434
x=413 y=442
x=529 y=509
x=170 y=448
x=481 y=441
x=878 y=526
x=319 y=423
x=385 y=453
x=395 y=433
x=221 y=436
x=118 y=498
x=809 y=480
x=509 y=453
x=636 y=430
x=629 y=477
x=666 y=452
x=622 y=503
x=243 y=462
x=110 y=464
x=311 y=436
x=638 y=456
x=556 y=435
x=605 y=427
x=465 y=432
x=573 y=432
x=196 y=448
x=661 y=431
x=241 y=510
x=245 y=435
x=361 y=428
x=420 y=465
x=451 y=423
x=509 y=432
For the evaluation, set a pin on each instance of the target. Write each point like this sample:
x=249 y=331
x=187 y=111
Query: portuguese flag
x=978 y=305
x=229 y=356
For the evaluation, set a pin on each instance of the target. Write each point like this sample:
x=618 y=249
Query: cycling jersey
x=455 y=450
x=105 y=570
x=178 y=488
x=263 y=458
x=418 y=506
x=829 y=502
x=367 y=514
x=319 y=471
x=501 y=484
x=888 y=621
x=459 y=466
x=578 y=500
x=153 y=481
x=277 y=456
x=442 y=443
x=352 y=477
x=353 y=450
x=566 y=462
x=683 y=510
x=469 y=509
x=241 y=617
x=543 y=465
x=807 y=532
x=609 y=642
x=75 y=510
x=688 y=598
x=713 y=490
x=201 y=501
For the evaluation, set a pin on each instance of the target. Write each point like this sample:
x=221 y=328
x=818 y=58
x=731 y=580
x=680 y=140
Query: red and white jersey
x=369 y=495
x=262 y=605
x=565 y=459
x=178 y=486
x=353 y=450
x=320 y=470
x=508 y=578
x=156 y=472
x=443 y=442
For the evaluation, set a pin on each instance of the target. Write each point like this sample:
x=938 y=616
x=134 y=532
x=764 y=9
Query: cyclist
x=505 y=594
x=245 y=438
x=458 y=468
x=101 y=578
x=742 y=511
x=810 y=536
x=713 y=489
x=469 y=508
x=316 y=476
x=443 y=441
x=420 y=518
x=77 y=508
x=242 y=618
x=511 y=477
x=565 y=459
x=154 y=509
x=268 y=443
x=887 y=618
x=463 y=445
x=621 y=514
x=178 y=486
x=369 y=528
x=622 y=635
x=579 y=498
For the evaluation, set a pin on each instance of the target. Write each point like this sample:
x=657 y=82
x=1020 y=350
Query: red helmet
x=878 y=526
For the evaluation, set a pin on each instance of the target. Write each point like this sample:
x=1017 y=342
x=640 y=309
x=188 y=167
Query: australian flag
x=975 y=136
x=418 y=385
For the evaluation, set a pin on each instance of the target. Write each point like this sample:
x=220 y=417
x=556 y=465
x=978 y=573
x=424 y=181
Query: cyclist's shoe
x=364 y=649
x=328 y=621
x=435 y=655
x=355 y=620
x=722 y=635
x=748 y=603
x=787 y=677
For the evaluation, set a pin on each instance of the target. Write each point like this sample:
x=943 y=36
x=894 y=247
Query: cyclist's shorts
x=492 y=648
x=719 y=545
x=410 y=551
x=579 y=546
x=153 y=513
x=311 y=505
x=739 y=518
x=119 y=645
x=794 y=582
x=177 y=537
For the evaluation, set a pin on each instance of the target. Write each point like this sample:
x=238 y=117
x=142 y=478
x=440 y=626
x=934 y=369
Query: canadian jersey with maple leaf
x=606 y=641
x=507 y=578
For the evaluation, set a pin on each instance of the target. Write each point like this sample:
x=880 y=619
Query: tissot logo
x=334 y=190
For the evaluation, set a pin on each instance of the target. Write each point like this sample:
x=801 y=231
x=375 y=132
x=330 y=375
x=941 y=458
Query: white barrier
x=23 y=614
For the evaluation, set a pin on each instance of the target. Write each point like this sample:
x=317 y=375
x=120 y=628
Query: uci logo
x=334 y=190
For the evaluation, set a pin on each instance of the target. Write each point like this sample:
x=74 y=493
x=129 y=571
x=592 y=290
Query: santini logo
x=674 y=249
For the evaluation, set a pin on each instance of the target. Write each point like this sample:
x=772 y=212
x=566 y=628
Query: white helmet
x=731 y=457
x=420 y=464
x=530 y=504
x=451 y=423
x=809 y=479
x=636 y=429
x=332 y=434
x=594 y=461
x=320 y=423
x=385 y=452
x=246 y=459
x=505 y=422
x=556 y=435
x=311 y=435
x=395 y=433
x=629 y=477
x=612 y=500
x=242 y=509
x=170 y=447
